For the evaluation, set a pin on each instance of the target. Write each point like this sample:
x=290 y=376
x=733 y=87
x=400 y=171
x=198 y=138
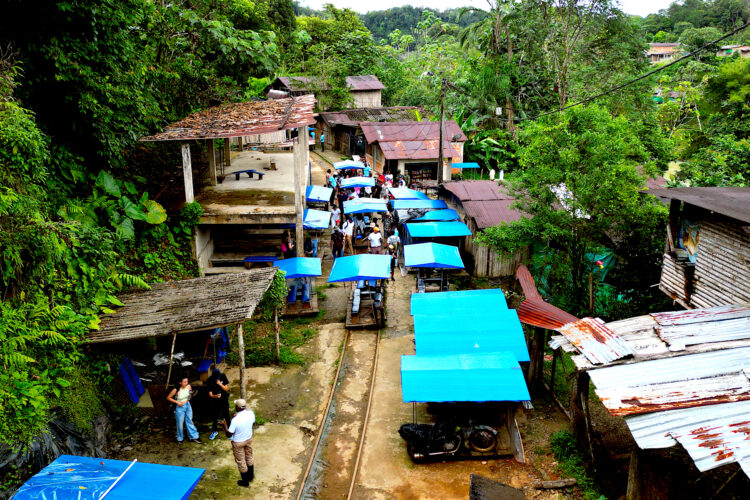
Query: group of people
x=239 y=429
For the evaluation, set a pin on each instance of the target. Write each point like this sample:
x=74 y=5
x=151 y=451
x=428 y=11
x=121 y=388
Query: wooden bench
x=249 y=174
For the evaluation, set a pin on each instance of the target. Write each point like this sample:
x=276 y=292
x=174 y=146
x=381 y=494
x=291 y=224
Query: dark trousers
x=220 y=412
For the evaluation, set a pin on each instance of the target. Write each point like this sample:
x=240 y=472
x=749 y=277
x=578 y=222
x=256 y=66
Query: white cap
x=240 y=403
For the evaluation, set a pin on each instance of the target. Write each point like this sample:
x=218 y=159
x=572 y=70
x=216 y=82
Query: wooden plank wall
x=366 y=98
x=722 y=270
x=673 y=280
x=487 y=262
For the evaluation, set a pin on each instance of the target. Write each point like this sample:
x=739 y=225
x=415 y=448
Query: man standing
x=323 y=142
x=240 y=431
x=376 y=241
x=337 y=243
x=348 y=235
x=394 y=240
x=218 y=387
x=335 y=215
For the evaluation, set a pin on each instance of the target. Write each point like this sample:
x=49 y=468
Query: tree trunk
x=276 y=332
x=508 y=101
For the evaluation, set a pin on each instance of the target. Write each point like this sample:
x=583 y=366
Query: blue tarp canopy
x=318 y=193
x=348 y=165
x=470 y=164
x=86 y=478
x=357 y=182
x=360 y=267
x=299 y=267
x=466 y=300
x=316 y=219
x=423 y=204
x=403 y=193
x=358 y=206
x=477 y=331
x=462 y=377
x=432 y=255
x=437 y=229
x=445 y=215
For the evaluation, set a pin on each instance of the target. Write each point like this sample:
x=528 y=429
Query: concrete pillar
x=187 y=173
x=228 y=152
x=211 y=162
x=298 y=158
x=305 y=142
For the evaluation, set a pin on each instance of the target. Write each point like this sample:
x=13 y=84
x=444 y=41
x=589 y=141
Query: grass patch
x=570 y=464
x=260 y=343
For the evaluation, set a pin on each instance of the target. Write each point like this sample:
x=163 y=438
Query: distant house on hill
x=411 y=147
x=484 y=204
x=729 y=50
x=365 y=90
x=342 y=129
x=707 y=255
x=658 y=52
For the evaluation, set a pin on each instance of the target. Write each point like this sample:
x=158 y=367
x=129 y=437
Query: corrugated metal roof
x=733 y=202
x=364 y=82
x=300 y=83
x=240 y=119
x=597 y=342
x=476 y=190
x=410 y=131
x=418 y=150
x=712 y=435
x=676 y=382
x=542 y=314
x=523 y=275
x=490 y=213
x=353 y=117
x=719 y=313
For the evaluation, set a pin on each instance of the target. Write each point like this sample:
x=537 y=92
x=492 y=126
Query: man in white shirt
x=335 y=215
x=376 y=241
x=348 y=235
x=240 y=431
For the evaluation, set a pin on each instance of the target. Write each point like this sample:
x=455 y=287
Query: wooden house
x=483 y=204
x=730 y=50
x=342 y=128
x=658 y=52
x=411 y=148
x=707 y=254
x=365 y=91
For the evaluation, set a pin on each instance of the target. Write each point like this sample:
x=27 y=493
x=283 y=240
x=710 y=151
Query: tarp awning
x=465 y=300
x=299 y=267
x=316 y=219
x=318 y=193
x=87 y=478
x=360 y=267
x=462 y=377
x=357 y=182
x=445 y=215
x=470 y=164
x=432 y=255
x=419 y=204
x=438 y=229
x=403 y=193
x=360 y=207
x=348 y=165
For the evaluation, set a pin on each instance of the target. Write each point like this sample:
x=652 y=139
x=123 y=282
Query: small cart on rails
x=302 y=298
x=366 y=273
x=432 y=260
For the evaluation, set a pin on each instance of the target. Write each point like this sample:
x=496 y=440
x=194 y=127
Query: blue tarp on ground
x=477 y=331
x=462 y=377
x=360 y=207
x=403 y=193
x=360 y=267
x=445 y=215
x=316 y=219
x=437 y=229
x=299 y=267
x=348 y=165
x=470 y=164
x=357 y=182
x=85 y=478
x=432 y=255
x=492 y=299
x=420 y=204
x=318 y=193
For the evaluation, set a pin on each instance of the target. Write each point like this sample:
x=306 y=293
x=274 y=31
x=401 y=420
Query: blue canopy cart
x=357 y=182
x=366 y=273
x=318 y=196
x=431 y=261
x=302 y=299
x=349 y=165
x=403 y=193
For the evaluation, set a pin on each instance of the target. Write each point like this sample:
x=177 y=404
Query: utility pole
x=442 y=124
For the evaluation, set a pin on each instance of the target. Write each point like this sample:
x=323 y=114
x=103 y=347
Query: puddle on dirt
x=247 y=197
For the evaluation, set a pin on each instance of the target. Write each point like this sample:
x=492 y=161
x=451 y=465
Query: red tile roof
x=241 y=119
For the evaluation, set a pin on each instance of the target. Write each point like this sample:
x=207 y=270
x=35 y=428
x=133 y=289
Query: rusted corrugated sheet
x=679 y=382
x=730 y=201
x=595 y=341
x=418 y=150
x=490 y=213
x=241 y=119
x=364 y=82
x=702 y=315
x=523 y=275
x=712 y=435
x=353 y=117
x=410 y=131
x=544 y=315
x=476 y=190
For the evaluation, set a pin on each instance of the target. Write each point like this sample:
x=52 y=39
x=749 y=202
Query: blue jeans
x=315 y=247
x=338 y=252
x=184 y=415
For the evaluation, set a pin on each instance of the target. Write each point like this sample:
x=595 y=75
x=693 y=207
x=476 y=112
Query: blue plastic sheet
x=357 y=182
x=318 y=193
x=360 y=267
x=437 y=229
x=419 y=204
x=492 y=299
x=462 y=377
x=433 y=255
x=444 y=215
x=316 y=219
x=478 y=331
x=361 y=207
x=299 y=267
x=403 y=193
x=348 y=165
x=470 y=164
x=85 y=478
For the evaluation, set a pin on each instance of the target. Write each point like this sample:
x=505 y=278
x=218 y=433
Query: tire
x=482 y=439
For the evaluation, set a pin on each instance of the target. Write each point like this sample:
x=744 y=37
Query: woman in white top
x=183 y=412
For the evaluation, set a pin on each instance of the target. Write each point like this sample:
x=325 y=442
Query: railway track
x=334 y=463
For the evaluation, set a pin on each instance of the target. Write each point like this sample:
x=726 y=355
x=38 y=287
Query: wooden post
x=276 y=332
x=187 y=173
x=240 y=143
x=305 y=159
x=297 y=159
x=440 y=168
x=537 y=359
x=211 y=162
x=579 y=394
x=241 y=352
x=171 y=359
x=647 y=477
x=228 y=152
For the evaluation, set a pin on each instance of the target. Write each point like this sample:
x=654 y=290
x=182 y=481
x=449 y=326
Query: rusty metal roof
x=300 y=83
x=490 y=213
x=732 y=202
x=353 y=117
x=364 y=82
x=418 y=150
x=534 y=310
x=523 y=275
x=719 y=313
x=410 y=131
x=597 y=342
x=477 y=190
x=241 y=119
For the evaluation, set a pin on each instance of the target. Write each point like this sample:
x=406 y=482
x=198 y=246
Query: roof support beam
x=228 y=152
x=187 y=173
x=211 y=162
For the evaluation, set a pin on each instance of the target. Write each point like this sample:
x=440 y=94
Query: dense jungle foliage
x=80 y=82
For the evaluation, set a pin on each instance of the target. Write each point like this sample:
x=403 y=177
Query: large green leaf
x=125 y=229
x=131 y=209
x=108 y=183
x=155 y=212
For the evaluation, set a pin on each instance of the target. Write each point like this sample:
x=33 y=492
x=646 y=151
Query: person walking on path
x=348 y=235
x=183 y=412
x=376 y=241
x=394 y=259
x=337 y=243
x=395 y=240
x=335 y=216
x=240 y=432
x=218 y=393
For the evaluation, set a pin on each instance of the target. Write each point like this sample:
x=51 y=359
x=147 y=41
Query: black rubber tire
x=482 y=440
